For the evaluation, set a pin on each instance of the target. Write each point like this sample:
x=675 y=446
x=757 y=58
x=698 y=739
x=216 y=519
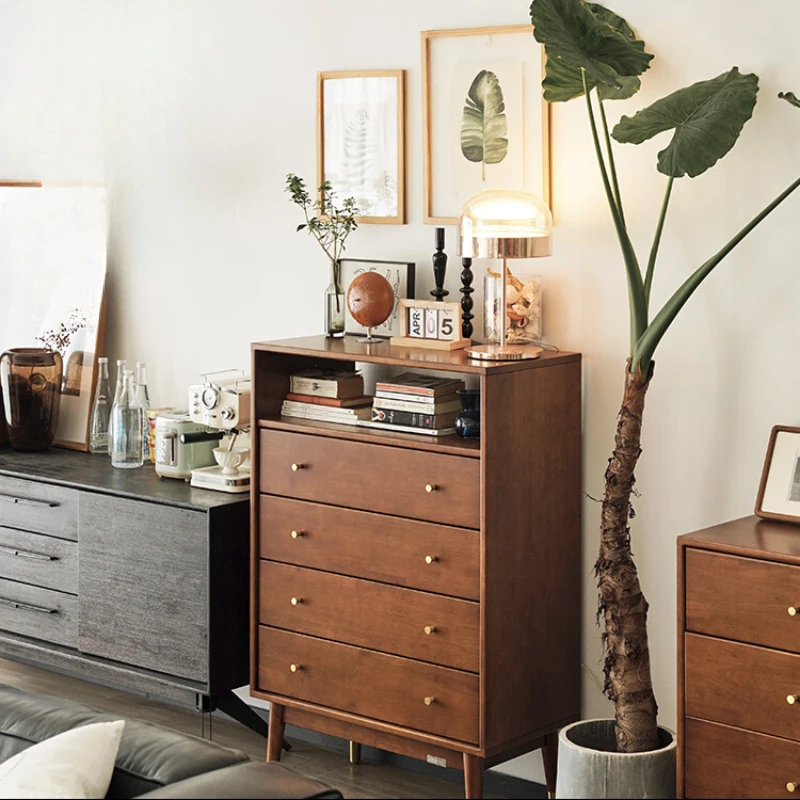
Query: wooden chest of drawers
x=412 y=593
x=739 y=660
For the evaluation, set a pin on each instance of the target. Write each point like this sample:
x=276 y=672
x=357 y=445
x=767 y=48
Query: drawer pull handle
x=431 y=487
x=792 y=611
x=296 y=467
x=27 y=554
x=429 y=701
x=431 y=559
x=429 y=629
x=26 y=501
x=792 y=786
x=297 y=534
x=295 y=667
x=296 y=601
x=27 y=606
x=791 y=699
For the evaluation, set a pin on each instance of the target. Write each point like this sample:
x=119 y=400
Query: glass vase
x=468 y=420
x=334 y=304
x=30 y=379
x=523 y=317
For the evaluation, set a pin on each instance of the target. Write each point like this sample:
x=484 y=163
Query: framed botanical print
x=485 y=122
x=361 y=140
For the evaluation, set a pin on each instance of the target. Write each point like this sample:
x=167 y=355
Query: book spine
x=412 y=419
x=407 y=396
x=388 y=426
x=398 y=388
x=328 y=411
x=426 y=407
x=314 y=387
x=330 y=402
x=322 y=417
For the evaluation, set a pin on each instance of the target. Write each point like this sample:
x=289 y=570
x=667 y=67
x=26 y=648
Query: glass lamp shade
x=502 y=223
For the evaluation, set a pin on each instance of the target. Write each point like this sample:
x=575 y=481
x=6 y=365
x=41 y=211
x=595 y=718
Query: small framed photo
x=400 y=275
x=361 y=140
x=779 y=491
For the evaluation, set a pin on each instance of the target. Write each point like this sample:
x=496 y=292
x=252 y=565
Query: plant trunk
x=627 y=666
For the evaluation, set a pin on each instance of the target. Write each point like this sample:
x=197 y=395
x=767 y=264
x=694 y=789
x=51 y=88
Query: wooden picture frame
x=361 y=140
x=451 y=62
x=779 y=490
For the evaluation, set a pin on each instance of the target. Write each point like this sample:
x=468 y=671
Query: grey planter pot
x=588 y=767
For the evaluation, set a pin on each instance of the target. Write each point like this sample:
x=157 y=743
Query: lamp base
x=508 y=352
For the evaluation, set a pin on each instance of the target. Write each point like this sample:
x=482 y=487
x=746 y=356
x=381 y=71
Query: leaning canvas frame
x=779 y=491
x=53 y=244
x=361 y=140
x=451 y=60
x=400 y=275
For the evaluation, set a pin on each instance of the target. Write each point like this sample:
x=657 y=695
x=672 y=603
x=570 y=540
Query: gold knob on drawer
x=791 y=699
x=792 y=611
x=431 y=559
x=296 y=467
x=792 y=786
x=295 y=667
x=429 y=629
x=431 y=487
x=430 y=701
x=297 y=534
x=296 y=601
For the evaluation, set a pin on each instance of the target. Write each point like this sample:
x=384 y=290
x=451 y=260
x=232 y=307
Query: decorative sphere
x=370 y=299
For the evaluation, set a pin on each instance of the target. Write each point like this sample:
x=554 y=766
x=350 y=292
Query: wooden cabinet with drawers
x=739 y=660
x=413 y=593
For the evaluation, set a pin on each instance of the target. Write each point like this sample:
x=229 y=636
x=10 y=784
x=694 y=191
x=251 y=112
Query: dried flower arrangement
x=58 y=340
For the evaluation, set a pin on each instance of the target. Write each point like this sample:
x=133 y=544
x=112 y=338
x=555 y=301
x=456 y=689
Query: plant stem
x=651 y=263
x=611 y=165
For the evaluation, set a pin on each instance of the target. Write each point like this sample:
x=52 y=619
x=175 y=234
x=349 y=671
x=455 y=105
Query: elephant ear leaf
x=484 y=126
x=789 y=97
x=707 y=118
x=587 y=36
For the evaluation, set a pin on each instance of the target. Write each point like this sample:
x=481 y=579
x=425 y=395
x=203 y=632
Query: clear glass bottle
x=143 y=396
x=101 y=411
x=334 y=303
x=121 y=366
x=126 y=427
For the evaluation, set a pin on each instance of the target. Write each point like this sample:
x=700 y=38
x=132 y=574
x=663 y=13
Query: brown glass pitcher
x=30 y=379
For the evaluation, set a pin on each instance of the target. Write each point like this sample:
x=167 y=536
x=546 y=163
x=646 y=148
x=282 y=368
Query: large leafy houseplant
x=593 y=53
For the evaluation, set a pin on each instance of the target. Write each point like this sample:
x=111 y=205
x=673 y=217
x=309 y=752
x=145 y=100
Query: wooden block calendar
x=430 y=324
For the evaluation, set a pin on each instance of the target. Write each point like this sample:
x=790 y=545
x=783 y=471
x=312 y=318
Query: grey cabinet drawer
x=40 y=560
x=42 y=507
x=39 y=613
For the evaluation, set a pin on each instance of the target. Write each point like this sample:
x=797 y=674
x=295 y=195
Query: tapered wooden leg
x=473 y=777
x=275 y=735
x=550 y=758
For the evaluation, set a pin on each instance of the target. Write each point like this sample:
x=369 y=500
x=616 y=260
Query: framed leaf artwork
x=361 y=140
x=485 y=122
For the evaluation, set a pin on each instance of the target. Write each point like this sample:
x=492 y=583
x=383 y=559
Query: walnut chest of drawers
x=414 y=593
x=739 y=660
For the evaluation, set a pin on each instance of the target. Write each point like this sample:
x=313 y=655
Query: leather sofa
x=153 y=761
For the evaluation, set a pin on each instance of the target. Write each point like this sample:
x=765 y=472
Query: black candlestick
x=439 y=266
x=466 y=301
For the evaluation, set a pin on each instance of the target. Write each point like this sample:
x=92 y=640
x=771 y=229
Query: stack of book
x=327 y=395
x=415 y=403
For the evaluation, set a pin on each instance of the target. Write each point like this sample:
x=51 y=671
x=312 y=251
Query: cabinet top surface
x=347 y=348
x=749 y=536
x=94 y=473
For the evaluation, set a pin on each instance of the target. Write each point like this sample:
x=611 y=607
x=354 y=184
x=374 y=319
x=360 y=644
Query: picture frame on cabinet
x=779 y=490
x=400 y=275
x=458 y=68
x=361 y=140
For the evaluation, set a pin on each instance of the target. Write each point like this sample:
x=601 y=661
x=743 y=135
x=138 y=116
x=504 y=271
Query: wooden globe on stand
x=370 y=301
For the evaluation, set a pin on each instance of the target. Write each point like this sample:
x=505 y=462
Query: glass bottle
x=334 y=303
x=101 y=411
x=121 y=365
x=126 y=426
x=143 y=396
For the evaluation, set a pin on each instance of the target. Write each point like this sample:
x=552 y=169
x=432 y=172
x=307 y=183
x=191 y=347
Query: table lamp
x=504 y=223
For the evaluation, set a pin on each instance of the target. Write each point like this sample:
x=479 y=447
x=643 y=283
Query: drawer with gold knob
x=410 y=693
x=745 y=599
x=419 y=484
x=743 y=685
x=404 y=552
x=405 y=622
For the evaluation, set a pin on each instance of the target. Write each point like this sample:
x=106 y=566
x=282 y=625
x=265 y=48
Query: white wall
x=193 y=111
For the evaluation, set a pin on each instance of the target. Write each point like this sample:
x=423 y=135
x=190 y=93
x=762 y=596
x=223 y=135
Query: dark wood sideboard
x=418 y=594
x=739 y=660
x=119 y=576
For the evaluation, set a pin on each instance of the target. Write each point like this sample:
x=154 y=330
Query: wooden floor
x=333 y=768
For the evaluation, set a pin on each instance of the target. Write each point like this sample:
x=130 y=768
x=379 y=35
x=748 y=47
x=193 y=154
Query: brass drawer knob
x=296 y=601
x=792 y=611
x=296 y=467
x=791 y=699
x=429 y=701
x=431 y=487
x=431 y=559
x=429 y=629
x=297 y=534
x=792 y=786
x=295 y=667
